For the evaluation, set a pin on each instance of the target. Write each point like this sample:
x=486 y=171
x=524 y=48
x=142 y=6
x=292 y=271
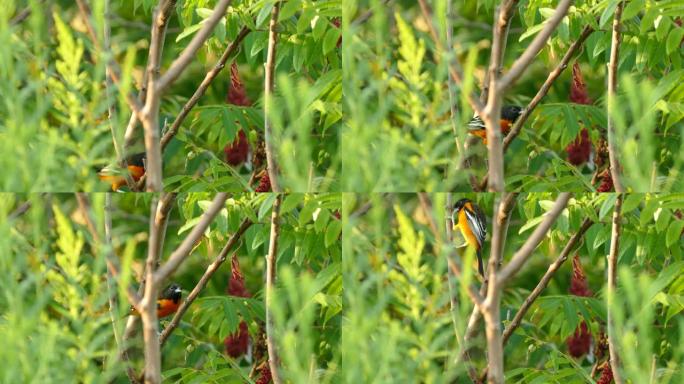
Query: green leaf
x=608 y=12
x=332 y=232
x=607 y=205
x=289 y=9
x=330 y=39
x=264 y=13
x=674 y=232
x=632 y=200
x=674 y=40
x=632 y=9
x=266 y=206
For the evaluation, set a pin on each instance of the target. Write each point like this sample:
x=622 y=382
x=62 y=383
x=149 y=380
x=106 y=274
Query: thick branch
x=612 y=282
x=160 y=23
x=272 y=166
x=179 y=255
x=521 y=64
x=524 y=253
x=211 y=269
x=492 y=307
x=492 y=112
x=562 y=65
x=273 y=360
x=188 y=54
x=208 y=78
x=148 y=305
x=612 y=91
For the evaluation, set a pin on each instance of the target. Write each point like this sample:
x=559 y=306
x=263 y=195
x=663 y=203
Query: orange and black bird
x=136 y=167
x=471 y=221
x=167 y=303
x=509 y=114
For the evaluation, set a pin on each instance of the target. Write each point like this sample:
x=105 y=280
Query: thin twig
x=111 y=288
x=188 y=54
x=273 y=360
x=426 y=206
x=272 y=166
x=523 y=62
x=453 y=66
x=448 y=229
x=208 y=78
x=612 y=92
x=523 y=254
x=211 y=269
x=612 y=282
x=20 y=210
x=178 y=256
x=574 y=240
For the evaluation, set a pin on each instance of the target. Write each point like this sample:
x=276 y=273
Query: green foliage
x=56 y=132
x=398 y=321
x=54 y=311
x=398 y=104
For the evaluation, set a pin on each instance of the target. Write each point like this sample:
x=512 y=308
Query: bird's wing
x=478 y=224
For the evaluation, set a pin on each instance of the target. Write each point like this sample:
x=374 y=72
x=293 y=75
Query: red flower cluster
x=578 y=282
x=237 y=152
x=236 y=344
x=579 y=151
x=606 y=375
x=264 y=184
x=579 y=343
x=606 y=182
x=264 y=375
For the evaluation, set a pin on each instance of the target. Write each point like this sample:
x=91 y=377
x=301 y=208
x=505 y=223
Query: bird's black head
x=173 y=292
x=460 y=204
x=457 y=207
x=137 y=159
x=511 y=112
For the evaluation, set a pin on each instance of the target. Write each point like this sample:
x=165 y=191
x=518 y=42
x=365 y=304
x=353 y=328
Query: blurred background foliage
x=398 y=324
x=54 y=131
x=398 y=103
x=54 y=317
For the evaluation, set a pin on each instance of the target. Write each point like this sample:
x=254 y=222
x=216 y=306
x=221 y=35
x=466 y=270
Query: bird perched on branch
x=471 y=221
x=136 y=167
x=509 y=114
x=167 y=303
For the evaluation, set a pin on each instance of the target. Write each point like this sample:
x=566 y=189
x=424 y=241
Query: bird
x=136 y=167
x=167 y=303
x=471 y=221
x=509 y=115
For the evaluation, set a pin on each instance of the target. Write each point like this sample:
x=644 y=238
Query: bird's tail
x=480 y=266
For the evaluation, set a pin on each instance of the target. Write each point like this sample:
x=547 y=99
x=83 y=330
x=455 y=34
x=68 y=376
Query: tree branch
x=612 y=91
x=148 y=305
x=448 y=229
x=179 y=255
x=543 y=90
x=211 y=269
x=273 y=360
x=524 y=253
x=612 y=282
x=545 y=279
x=491 y=310
x=160 y=24
x=521 y=64
x=272 y=164
x=188 y=54
x=208 y=78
